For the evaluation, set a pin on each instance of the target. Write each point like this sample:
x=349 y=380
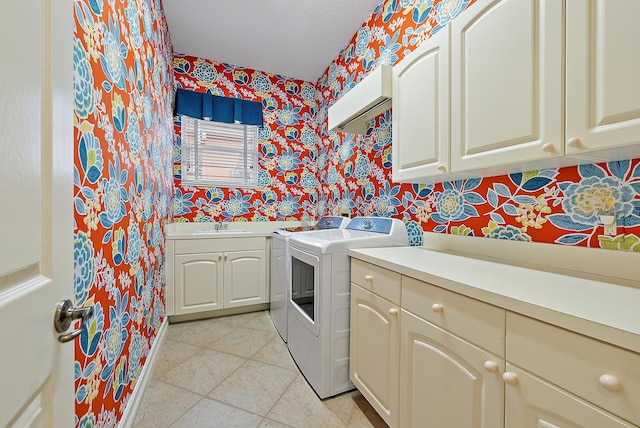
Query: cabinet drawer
x=577 y=364
x=475 y=321
x=191 y=246
x=380 y=281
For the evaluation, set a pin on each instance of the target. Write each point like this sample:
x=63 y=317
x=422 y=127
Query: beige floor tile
x=211 y=357
x=200 y=333
x=268 y=423
x=203 y=371
x=162 y=404
x=212 y=414
x=276 y=353
x=363 y=415
x=243 y=342
x=172 y=353
x=299 y=406
x=262 y=321
x=240 y=319
x=254 y=387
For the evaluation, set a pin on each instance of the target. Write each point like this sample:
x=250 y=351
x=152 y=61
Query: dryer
x=319 y=297
x=280 y=267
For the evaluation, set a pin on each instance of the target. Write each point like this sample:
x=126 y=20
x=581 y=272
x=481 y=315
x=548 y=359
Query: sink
x=219 y=232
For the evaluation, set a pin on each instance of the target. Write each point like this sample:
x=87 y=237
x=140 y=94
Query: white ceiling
x=294 y=38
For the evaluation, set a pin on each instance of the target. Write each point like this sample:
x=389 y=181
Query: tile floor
x=236 y=371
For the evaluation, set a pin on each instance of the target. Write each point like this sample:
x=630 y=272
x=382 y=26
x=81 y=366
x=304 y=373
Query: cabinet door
x=421 y=111
x=375 y=351
x=603 y=88
x=446 y=381
x=507 y=84
x=244 y=278
x=198 y=282
x=534 y=403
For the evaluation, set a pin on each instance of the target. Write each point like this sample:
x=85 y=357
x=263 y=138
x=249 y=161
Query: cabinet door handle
x=219 y=257
x=437 y=307
x=491 y=366
x=610 y=383
x=510 y=378
x=548 y=148
x=442 y=168
x=574 y=142
x=393 y=311
x=225 y=257
x=368 y=277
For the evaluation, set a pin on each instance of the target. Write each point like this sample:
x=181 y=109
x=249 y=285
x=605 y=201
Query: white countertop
x=602 y=310
x=234 y=229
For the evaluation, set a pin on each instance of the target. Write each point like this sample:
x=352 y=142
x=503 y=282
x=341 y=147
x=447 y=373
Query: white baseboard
x=129 y=415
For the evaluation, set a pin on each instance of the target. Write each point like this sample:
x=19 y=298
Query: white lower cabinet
x=212 y=274
x=198 y=282
x=465 y=363
x=375 y=337
x=446 y=381
x=244 y=278
x=594 y=379
x=375 y=351
x=533 y=403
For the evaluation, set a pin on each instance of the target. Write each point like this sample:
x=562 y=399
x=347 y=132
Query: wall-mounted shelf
x=369 y=98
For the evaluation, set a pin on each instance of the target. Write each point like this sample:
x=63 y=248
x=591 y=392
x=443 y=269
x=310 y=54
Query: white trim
x=129 y=415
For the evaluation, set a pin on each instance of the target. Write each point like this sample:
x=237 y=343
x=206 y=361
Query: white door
x=244 y=278
x=198 y=282
x=375 y=351
x=603 y=89
x=36 y=211
x=447 y=381
x=506 y=83
x=421 y=111
x=534 y=403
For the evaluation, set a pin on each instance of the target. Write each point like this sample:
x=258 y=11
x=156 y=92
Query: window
x=219 y=154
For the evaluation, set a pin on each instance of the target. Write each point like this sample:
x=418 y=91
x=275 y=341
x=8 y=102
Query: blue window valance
x=219 y=109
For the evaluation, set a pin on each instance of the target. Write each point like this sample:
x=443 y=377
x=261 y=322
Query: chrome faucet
x=220 y=226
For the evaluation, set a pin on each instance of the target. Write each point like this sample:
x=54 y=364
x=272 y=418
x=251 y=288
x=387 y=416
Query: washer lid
x=332 y=222
x=327 y=222
x=390 y=232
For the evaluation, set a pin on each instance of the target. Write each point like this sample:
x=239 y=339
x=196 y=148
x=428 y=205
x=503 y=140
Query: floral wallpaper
x=123 y=91
x=287 y=144
x=559 y=206
x=127 y=165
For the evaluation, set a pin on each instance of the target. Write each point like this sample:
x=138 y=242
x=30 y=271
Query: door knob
x=65 y=315
x=510 y=378
x=574 y=142
x=491 y=366
x=548 y=148
x=610 y=383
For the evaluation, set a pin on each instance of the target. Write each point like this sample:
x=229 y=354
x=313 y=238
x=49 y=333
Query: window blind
x=218 y=154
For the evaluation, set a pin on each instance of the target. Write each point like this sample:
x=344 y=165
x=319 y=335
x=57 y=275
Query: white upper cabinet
x=506 y=84
x=421 y=111
x=519 y=85
x=603 y=78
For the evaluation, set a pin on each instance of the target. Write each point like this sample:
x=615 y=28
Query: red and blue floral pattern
x=287 y=145
x=123 y=91
x=559 y=206
x=127 y=160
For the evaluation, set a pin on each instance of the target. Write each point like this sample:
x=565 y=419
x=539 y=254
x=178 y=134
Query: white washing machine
x=320 y=297
x=280 y=267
